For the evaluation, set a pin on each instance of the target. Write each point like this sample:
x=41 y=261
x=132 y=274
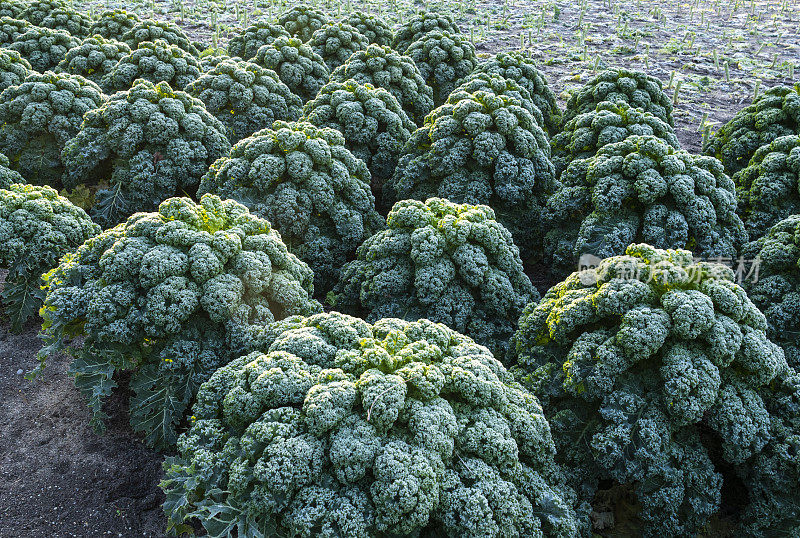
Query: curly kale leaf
x=384 y=68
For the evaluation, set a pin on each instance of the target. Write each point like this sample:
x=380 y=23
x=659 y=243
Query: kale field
x=407 y=268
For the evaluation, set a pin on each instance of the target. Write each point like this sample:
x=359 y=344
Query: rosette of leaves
x=500 y=85
x=375 y=29
x=39 y=117
x=420 y=26
x=12 y=29
x=450 y=263
x=13 y=68
x=309 y=186
x=57 y=15
x=522 y=69
x=297 y=65
x=245 y=44
x=336 y=42
x=774 y=285
x=7 y=175
x=769 y=187
x=481 y=148
x=43 y=48
x=642 y=190
x=342 y=428
x=141 y=147
x=775 y=113
x=164 y=296
x=150 y=30
x=37 y=227
x=444 y=60
x=245 y=97
x=658 y=378
x=638 y=89
x=12 y=8
x=302 y=21
x=384 y=68
x=374 y=126
x=585 y=134
x=93 y=58
x=155 y=62
x=113 y=23
x=212 y=57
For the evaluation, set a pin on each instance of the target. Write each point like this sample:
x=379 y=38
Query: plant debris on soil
x=713 y=56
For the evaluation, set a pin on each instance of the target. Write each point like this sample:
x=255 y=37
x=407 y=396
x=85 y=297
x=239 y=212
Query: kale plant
x=297 y=65
x=141 y=147
x=420 y=26
x=657 y=376
x=113 y=23
x=37 y=227
x=156 y=62
x=642 y=190
x=481 y=148
x=42 y=47
x=520 y=68
x=342 y=428
x=302 y=21
x=374 y=126
x=769 y=187
x=245 y=44
x=245 y=97
x=167 y=296
x=775 y=113
x=39 y=117
x=444 y=60
x=449 y=263
x=384 y=68
x=304 y=181
x=638 y=89
x=94 y=58
x=336 y=42
x=373 y=28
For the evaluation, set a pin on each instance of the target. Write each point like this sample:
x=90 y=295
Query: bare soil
x=57 y=477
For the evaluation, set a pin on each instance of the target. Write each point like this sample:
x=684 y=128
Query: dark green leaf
x=160 y=399
x=180 y=488
x=110 y=207
x=94 y=378
x=220 y=519
x=22 y=297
